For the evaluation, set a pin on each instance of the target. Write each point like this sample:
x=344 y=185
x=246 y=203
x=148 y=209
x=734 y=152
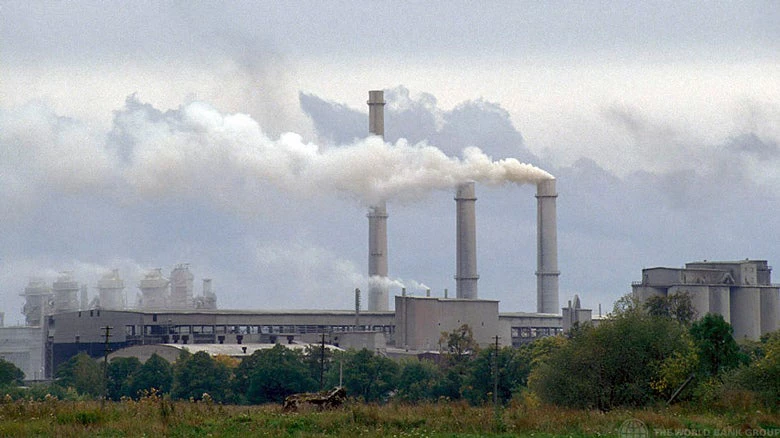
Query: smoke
x=397 y=283
x=384 y=282
x=178 y=150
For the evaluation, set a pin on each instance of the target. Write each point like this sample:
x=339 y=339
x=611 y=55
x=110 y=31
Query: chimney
x=357 y=308
x=378 y=299
x=547 y=248
x=466 y=244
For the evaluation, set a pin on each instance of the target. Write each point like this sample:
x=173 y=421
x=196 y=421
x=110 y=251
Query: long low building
x=68 y=333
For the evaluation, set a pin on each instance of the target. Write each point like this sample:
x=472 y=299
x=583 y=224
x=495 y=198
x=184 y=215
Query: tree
x=718 y=351
x=10 y=374
x=458 y=348
x=459 y=344
x=198 y=374
x=271 y=375
x=368 y=375
x=611 y=365
x=318 y=361
x=514 y=366
x=120 y=371
x=155 y=373
x=82 y=373
x=418 y=380
x=763 y=374
x=676 y=306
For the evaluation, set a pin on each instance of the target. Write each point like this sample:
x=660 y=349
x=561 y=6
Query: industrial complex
x=60 y=321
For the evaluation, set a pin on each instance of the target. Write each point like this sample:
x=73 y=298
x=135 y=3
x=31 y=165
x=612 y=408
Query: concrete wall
x=700 y=297
x=373 y=341
x=644 y=293
x=746 y=312
x=770 y=307
x=420 y=321
x=24 y=347
x=520 y=327
x=661 y=276
x=720 y=302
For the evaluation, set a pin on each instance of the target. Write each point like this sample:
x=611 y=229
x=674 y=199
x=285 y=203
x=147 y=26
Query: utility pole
x=495 y=376
x=322 y=362
x=106 y=350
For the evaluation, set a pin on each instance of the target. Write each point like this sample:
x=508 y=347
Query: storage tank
x=154 y=290
x=181 y=288
x=746 y=312
x=111 y=291
x=66 y=293
x=37 y=297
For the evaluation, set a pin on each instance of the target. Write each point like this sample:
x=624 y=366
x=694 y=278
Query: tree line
x=640 y=355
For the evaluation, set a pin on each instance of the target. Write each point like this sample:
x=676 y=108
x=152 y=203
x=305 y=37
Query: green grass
x=155 y=416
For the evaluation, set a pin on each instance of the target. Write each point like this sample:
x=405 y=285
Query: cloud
x=300 y=275
x=43 y=152
x=197 y=146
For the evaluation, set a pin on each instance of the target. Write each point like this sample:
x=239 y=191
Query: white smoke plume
x=197 y=151
x=384 y=282
x=177 y=150
x=397 y=283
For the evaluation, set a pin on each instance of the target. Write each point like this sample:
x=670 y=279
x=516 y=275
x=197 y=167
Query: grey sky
x=660 y=120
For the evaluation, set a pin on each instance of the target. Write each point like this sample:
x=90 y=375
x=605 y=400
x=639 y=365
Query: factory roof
x=170 y=352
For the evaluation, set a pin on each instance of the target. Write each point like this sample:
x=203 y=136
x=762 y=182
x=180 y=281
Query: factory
x=167 y=311
x=740 y=291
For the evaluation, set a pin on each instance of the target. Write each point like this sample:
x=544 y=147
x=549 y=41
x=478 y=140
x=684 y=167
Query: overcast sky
x=231 y=136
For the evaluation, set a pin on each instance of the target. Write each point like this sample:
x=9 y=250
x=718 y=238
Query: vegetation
x=10 y=374
x=642 y=362
x=156 y=415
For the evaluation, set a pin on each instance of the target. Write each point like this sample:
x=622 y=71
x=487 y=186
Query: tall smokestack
x=377 y=217
x=466 y=234
x=547 y=248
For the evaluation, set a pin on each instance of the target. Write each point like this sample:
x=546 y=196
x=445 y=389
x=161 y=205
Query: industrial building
x=167 y=312
x=741 y=291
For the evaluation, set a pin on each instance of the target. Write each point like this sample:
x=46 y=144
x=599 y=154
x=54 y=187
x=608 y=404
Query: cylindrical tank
x=111 y=289
x=466 y=242
x=36 y=301
x=181 y=288
x=746 y=312
x=154 y=290
x=719 y=302
x=66 y=293
x=547 y=248
x=770 y=305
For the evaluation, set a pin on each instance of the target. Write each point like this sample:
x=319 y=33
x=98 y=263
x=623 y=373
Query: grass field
x=154 y=416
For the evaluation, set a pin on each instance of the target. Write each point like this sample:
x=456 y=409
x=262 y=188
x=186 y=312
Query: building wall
x=661 y=276
x=770 y=308
x=699 y=294
x=746 y=312
x=520 y=328
x=420 y=321
x=72 y=332
x=740 y=291
x=720 y=302
x=24 y=347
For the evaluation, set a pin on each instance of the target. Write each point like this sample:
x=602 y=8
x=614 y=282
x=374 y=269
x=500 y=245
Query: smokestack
x=357 y=308
x=466 y=234
x=377 y=218
x=547 y=248
x=376 y=113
